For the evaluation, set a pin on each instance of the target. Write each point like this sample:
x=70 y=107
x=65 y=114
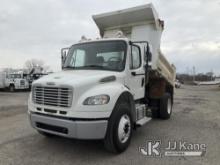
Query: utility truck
x=34 y=75
x=13 y=81
x=110 y=86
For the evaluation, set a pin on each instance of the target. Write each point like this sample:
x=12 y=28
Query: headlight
x=97 y=100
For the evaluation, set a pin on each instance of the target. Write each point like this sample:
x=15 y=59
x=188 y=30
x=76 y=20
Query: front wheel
x=11 y=88
x=119 y=131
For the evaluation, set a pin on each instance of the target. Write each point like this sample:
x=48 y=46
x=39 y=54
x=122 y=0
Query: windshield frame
x=15 y=76
x=96 y=68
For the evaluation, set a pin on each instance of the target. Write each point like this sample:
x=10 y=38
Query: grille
x=51 y=96
x=22 y=83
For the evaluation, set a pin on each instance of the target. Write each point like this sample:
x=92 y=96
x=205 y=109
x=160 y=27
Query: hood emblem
x=50 y=83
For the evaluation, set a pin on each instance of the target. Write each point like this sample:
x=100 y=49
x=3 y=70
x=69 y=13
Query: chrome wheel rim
x=169 y=106
x=124 y=128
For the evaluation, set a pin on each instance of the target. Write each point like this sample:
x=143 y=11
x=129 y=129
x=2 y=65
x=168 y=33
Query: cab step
x=142 y=121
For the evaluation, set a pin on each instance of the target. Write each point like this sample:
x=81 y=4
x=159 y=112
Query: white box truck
x=13 y=81
x=2 y=80
x=109 y=86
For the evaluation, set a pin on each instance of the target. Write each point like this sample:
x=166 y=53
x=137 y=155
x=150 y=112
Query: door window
x=135 y=62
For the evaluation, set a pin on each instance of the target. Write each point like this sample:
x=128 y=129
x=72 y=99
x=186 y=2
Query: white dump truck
x=109 y=86
x=13 y=81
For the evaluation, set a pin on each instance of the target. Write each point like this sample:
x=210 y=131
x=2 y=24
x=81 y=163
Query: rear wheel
x=162 y=108
x=154 y=104
x=166 y=106
x=119 y=131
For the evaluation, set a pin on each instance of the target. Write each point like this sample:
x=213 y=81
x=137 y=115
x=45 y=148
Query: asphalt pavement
x=195 y=120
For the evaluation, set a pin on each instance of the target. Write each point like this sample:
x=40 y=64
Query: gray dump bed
x=138 y=24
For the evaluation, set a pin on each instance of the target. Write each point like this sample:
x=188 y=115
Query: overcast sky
x=40 y=28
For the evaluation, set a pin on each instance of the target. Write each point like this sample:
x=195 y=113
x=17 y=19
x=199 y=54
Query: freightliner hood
x=77 y=77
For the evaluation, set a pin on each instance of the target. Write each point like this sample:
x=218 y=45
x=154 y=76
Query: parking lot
x=195 y=119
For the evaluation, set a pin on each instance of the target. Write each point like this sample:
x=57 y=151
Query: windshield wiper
x=69 y=67
x=93 y=66
x=86 y=66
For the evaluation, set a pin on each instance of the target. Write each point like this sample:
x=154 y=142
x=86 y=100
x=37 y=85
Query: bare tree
x=37 y=65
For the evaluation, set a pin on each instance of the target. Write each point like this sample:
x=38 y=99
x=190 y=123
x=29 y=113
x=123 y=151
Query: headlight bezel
x=102 y=99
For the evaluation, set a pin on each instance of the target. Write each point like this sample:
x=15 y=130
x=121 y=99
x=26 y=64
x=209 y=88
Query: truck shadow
x=17 y=91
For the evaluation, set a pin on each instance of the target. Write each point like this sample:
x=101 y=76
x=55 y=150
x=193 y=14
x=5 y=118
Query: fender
x=128 y=97
x=114 y=90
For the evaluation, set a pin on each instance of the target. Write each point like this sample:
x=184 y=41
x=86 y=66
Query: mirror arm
x=64 y=52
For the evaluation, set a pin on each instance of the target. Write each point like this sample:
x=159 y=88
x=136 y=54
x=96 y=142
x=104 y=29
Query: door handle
x=135 y=74
x=142 y=82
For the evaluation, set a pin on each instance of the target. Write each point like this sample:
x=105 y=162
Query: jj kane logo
x=152 y=148
x=173 y=148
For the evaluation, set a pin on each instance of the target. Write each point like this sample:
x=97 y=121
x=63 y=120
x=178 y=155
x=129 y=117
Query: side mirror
x=148 y=58
x=148 y=54
x=64 y=53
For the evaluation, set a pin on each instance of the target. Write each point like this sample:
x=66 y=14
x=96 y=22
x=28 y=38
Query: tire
x=120 y=124
x=155 y=113
x=154 y=108
x=166 y=106
x=46 y=134
x=11 y=88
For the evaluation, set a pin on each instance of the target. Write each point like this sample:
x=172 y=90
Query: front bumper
x=78 y=129
x=22 y=87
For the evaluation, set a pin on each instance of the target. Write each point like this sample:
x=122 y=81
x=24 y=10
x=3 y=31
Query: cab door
x=136 y=73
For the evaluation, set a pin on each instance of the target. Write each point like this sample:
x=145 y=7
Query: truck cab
x=108 y=87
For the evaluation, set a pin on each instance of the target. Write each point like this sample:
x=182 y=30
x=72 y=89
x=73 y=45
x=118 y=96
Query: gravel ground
x=195 y=119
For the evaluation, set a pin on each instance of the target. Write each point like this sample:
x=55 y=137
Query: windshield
x=109 y=55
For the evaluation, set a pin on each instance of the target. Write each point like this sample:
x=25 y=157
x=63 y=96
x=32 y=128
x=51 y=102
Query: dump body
x=138 y=24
